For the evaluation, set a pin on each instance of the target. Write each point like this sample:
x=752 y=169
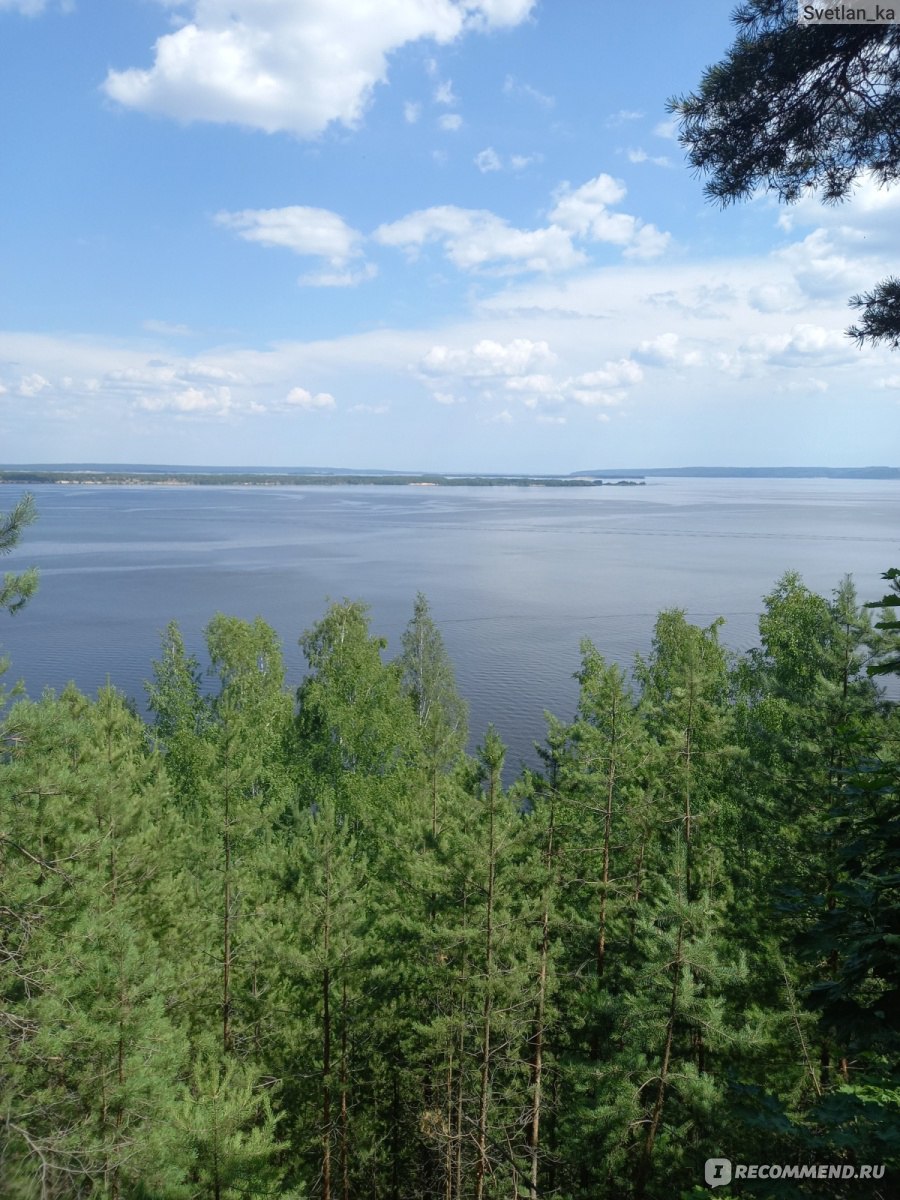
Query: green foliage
x=264 y=949
x=793 y=108
x=17 y=590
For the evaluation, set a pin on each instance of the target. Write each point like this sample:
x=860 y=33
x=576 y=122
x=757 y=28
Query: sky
x=440 y=235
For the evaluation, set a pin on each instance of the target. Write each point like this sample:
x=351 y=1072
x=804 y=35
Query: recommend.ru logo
x=718 y=1171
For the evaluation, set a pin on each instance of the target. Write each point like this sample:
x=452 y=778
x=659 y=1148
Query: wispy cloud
x=517 y=87
x=623 y=117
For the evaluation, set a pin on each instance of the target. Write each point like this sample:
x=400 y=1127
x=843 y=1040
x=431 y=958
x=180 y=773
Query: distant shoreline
x=234 y=479
x=172 y=474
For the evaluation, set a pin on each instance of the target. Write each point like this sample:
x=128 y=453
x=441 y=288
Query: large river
x=515 y=576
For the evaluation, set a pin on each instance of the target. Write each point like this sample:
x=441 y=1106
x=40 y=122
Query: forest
x=262 y=943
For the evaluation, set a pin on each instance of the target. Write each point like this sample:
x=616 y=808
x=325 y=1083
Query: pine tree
x=429 y=680
x=90 y=1056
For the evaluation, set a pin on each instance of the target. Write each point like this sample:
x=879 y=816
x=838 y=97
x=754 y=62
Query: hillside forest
x=265 y=943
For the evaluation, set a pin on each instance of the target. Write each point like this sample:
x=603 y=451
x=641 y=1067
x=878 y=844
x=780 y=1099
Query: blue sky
x=413 y=234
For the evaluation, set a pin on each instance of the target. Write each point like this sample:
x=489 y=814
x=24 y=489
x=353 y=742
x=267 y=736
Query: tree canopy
x=796 y=108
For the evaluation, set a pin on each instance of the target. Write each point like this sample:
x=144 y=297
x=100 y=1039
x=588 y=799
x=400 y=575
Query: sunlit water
x=515 y=576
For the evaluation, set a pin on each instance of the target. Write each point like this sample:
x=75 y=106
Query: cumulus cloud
x=291 y=65
x=586 y=211
x=802 y=345
x=450 y=122
x=33 y=385
x=478 y=240
x=666 y=350
x=190 y=401
x=524 y=371
x=489 y=359
x=444 y=94
x=299 y=399
x=488 y=160
x=312 y=231
x=639 y=155
x=412 y=110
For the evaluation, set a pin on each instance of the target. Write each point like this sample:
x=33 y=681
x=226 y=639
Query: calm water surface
x=515 y=576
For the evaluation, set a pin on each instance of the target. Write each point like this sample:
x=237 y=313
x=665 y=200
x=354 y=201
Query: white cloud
x=340 y=278
x=167 y=328
x=647 y=242
x=802 y=345
x=33 y=385
x=28 y=8
x=585 y=210
x=488 y=160
x=479 y=240
x=191 y=401
x=412 y=110
x=667 y=129
x=805 y=387
x=666 y=350
x=292 y=65
x=870 y=212
x=775 y=297
x=475 y=239
x=525 y=371
x=515 y=87
x=639 y=155
x=488 y=359
x=622 y=117
x=613 y=374
x=299 y=399
x=312 y=231
x=444 y=94
x=450 y=122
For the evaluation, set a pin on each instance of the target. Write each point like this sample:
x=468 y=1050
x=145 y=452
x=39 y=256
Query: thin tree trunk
x=326 y=1042
x=345 y=1138
x=607 y=830
x=656 y=1116
x=226 y=916
x=537 y=1067
x=448 y=1141
x=481 y=1170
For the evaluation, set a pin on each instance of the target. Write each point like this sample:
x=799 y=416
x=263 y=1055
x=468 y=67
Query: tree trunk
x=481 y=1170
x=656 y=1116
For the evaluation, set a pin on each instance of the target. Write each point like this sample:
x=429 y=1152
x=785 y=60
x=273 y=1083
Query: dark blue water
x=515 y=576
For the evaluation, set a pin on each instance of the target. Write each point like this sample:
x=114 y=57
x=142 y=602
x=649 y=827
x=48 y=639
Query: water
x=515 y=576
